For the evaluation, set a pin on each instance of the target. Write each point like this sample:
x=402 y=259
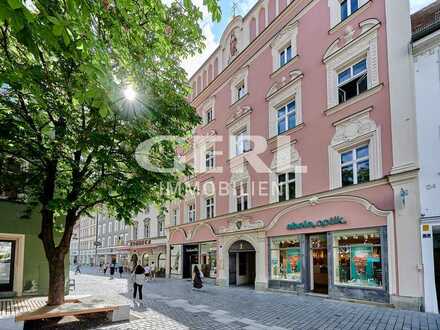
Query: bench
x=117 y=309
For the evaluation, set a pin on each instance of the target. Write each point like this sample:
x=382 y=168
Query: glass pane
x=281 y=178
x=5 y=262
x=347 y=157
x=282 y=194
x=289 y=53
x=347 y=175
x=291 y=106
x=245 y=203
x=362 y=84
x=292 y=190
x=281 y=112
x=354 y=5
x=239 y=206
x=362 y=152
x=363 y=171
x=281 y=125
x=291 y=176
x=282 y=60
x=360 y=67
x=286 y=264
x=344 y=10
x=292 y=120
x=344 y=76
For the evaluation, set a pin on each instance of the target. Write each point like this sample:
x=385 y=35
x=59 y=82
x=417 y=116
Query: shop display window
x=176 y=264
x=358 y=258
x=286 y=258
x=208 y=259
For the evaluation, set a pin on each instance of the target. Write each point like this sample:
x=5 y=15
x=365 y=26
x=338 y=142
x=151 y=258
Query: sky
x=213 y=31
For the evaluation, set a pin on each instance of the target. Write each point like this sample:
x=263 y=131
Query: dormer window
x=285 y=55
x=352 y=81
x=348 y=7
x=241 y=92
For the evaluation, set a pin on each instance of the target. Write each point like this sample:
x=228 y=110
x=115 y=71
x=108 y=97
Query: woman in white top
x=138 y=277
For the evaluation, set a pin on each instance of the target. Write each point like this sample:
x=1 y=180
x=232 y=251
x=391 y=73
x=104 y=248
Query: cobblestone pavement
x=172 y=304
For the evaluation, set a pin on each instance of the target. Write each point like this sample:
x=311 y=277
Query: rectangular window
x=355 y=166
x=242 y=143
x=285 y=55
x=286 y=186
x=286 y=117
x=174 y=217
x=286 y=260
x=209 y=207
x=209 y=115
x=125 y=239
x=348 y=7
x=191 y=213
x=208 y=259
x=160 y=227
x=109 y=241
x=241 y=197
x=358 y=258
x=352 y=81
x=241 y=92
x=209 y=159
x=110 y=227
x=147 y=229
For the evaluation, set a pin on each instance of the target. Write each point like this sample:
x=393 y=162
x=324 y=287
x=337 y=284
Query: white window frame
x=174 y=216
x=286 y=184
x=286 y=115
x=352 y=76
x=242 y=196
x=336 y=59
x=110 y=227
x=240 y=90
x=209 y=115
x=355 y=161
x=241 y=142
x=285 y=38
x=160 y=227
x=109 y=241
x=125 y=238
x=191 y=212
x=335 y=11
x=209 y=207
x=240 y=79
x=210 y=159
x=283 y=57
x=353 y=132
x=350 y=10
x=147 y=228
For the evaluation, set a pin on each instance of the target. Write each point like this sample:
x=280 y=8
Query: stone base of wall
x=222 y=282
x=407 y=303
x=374 y=295
x=287 y=285
x=260 y=286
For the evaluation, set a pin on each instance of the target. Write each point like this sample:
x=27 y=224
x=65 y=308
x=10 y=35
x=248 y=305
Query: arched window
x=147 y=231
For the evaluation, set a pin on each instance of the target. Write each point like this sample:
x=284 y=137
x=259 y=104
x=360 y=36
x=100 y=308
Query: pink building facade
x=306 y=159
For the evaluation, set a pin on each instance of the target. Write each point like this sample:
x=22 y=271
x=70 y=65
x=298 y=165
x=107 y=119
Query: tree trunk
x=56 y=280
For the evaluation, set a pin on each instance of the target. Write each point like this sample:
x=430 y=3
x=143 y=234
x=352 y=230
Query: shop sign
x=192 y=250
x=318 y=223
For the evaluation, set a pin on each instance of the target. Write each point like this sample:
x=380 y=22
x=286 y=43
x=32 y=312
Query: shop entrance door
x=242 y=264
x=319 y=271
x=190 y=258
x=7 y=261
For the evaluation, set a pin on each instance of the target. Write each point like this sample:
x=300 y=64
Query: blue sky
x=213 y=31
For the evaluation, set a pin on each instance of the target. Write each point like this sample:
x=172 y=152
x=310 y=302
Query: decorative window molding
x=209 y=105
x=240 y=79
x=286 y=37
x=351 y=132
x=281 y=95
x=335 y=11
x=338 y=58
x=285 y=159
x=190 y=211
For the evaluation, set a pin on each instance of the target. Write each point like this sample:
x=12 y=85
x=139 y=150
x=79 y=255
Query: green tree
x=63 y=67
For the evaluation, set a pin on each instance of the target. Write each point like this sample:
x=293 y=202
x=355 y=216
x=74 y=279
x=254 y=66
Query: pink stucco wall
x=313 y=139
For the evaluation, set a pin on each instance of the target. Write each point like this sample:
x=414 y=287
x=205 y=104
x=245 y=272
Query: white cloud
x=419 y=4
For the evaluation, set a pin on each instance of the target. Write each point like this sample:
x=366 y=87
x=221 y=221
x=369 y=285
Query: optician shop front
x=336 y=246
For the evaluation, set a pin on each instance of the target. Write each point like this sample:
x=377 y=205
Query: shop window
x=286 y=259
x=352 y=81
x=286 y=186
x=191 y=213
x=209 y=207
x=241 y=197
x=348 y=7
x=358 y=258
x=286 y=116
x=175 y=260
x=210 y=159
x=355 y=166
x=208 y=259
x=286 y=55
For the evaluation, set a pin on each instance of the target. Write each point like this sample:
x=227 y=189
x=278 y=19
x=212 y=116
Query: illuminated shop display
x=286 y=260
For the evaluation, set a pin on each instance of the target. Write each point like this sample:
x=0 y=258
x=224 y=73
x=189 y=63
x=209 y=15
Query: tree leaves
x=15 y=4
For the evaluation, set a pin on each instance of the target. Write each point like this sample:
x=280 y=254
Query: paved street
x=172 y=304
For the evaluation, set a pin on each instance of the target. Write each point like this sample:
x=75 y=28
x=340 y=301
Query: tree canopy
x=64 y=67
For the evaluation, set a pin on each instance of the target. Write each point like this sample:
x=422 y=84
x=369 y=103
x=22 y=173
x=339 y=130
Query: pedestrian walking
x=78 y=269
x=197 y=278
x=112 y=271
x=147 y=272
x=152 y=271
x=138 y=277
x=121 y=270
x=105 y=268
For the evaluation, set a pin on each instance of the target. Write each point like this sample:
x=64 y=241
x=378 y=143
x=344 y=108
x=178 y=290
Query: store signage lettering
x=192 y=250
x=337 y=220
